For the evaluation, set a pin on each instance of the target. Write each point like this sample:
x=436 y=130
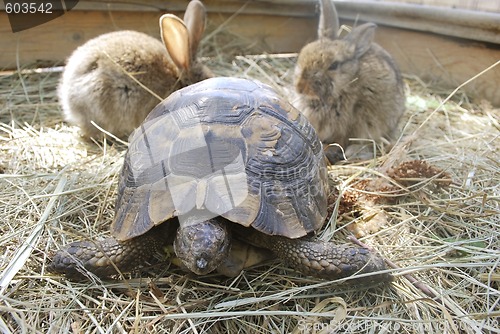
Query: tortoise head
x=202 y=246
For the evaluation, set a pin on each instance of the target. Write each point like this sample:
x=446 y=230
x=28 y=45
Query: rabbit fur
x=99 y=82
x=349 y=87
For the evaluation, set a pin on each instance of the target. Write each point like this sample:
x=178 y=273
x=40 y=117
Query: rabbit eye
x=334 y=66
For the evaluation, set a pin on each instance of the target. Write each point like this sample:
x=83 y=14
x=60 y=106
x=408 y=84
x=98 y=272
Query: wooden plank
x=481 y=5
x=264 y=7
x=479 y=26
x=53 y=41
x=445 y=62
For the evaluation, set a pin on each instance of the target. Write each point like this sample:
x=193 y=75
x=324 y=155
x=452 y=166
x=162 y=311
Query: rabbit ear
x=195 y=19
x=362 y=37
x=328 y=20
x=175 y=37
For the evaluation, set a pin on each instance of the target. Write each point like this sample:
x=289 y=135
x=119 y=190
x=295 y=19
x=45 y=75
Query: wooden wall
x=274 y=26
x=285 y=30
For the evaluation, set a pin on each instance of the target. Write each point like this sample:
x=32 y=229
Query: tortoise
x=222 y=159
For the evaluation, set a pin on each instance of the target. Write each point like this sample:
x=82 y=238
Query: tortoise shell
x=223 y=147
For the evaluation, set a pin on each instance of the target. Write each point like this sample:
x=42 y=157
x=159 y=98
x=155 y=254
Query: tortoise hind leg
x=109 y=256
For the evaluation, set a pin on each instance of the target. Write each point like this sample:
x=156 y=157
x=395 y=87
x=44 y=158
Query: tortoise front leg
x=107 y=257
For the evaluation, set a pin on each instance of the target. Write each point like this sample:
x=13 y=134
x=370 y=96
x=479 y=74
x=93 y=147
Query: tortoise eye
x=334 y=66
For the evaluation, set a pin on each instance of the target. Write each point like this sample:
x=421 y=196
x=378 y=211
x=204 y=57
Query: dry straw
x=57 y=188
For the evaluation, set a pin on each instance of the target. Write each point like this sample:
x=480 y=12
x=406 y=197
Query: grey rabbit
x=349 y=87
x=100 y=80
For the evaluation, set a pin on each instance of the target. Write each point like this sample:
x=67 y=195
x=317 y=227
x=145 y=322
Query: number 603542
x=28 y=8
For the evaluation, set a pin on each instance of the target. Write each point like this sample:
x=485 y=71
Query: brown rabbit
x=349 y=87
x=100 y=82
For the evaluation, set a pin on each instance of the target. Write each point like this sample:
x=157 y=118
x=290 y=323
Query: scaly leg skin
x=98 y=257
x=320 y=259
x=328 y=260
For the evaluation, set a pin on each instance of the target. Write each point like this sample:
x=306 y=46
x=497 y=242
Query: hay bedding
x=56 y=188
